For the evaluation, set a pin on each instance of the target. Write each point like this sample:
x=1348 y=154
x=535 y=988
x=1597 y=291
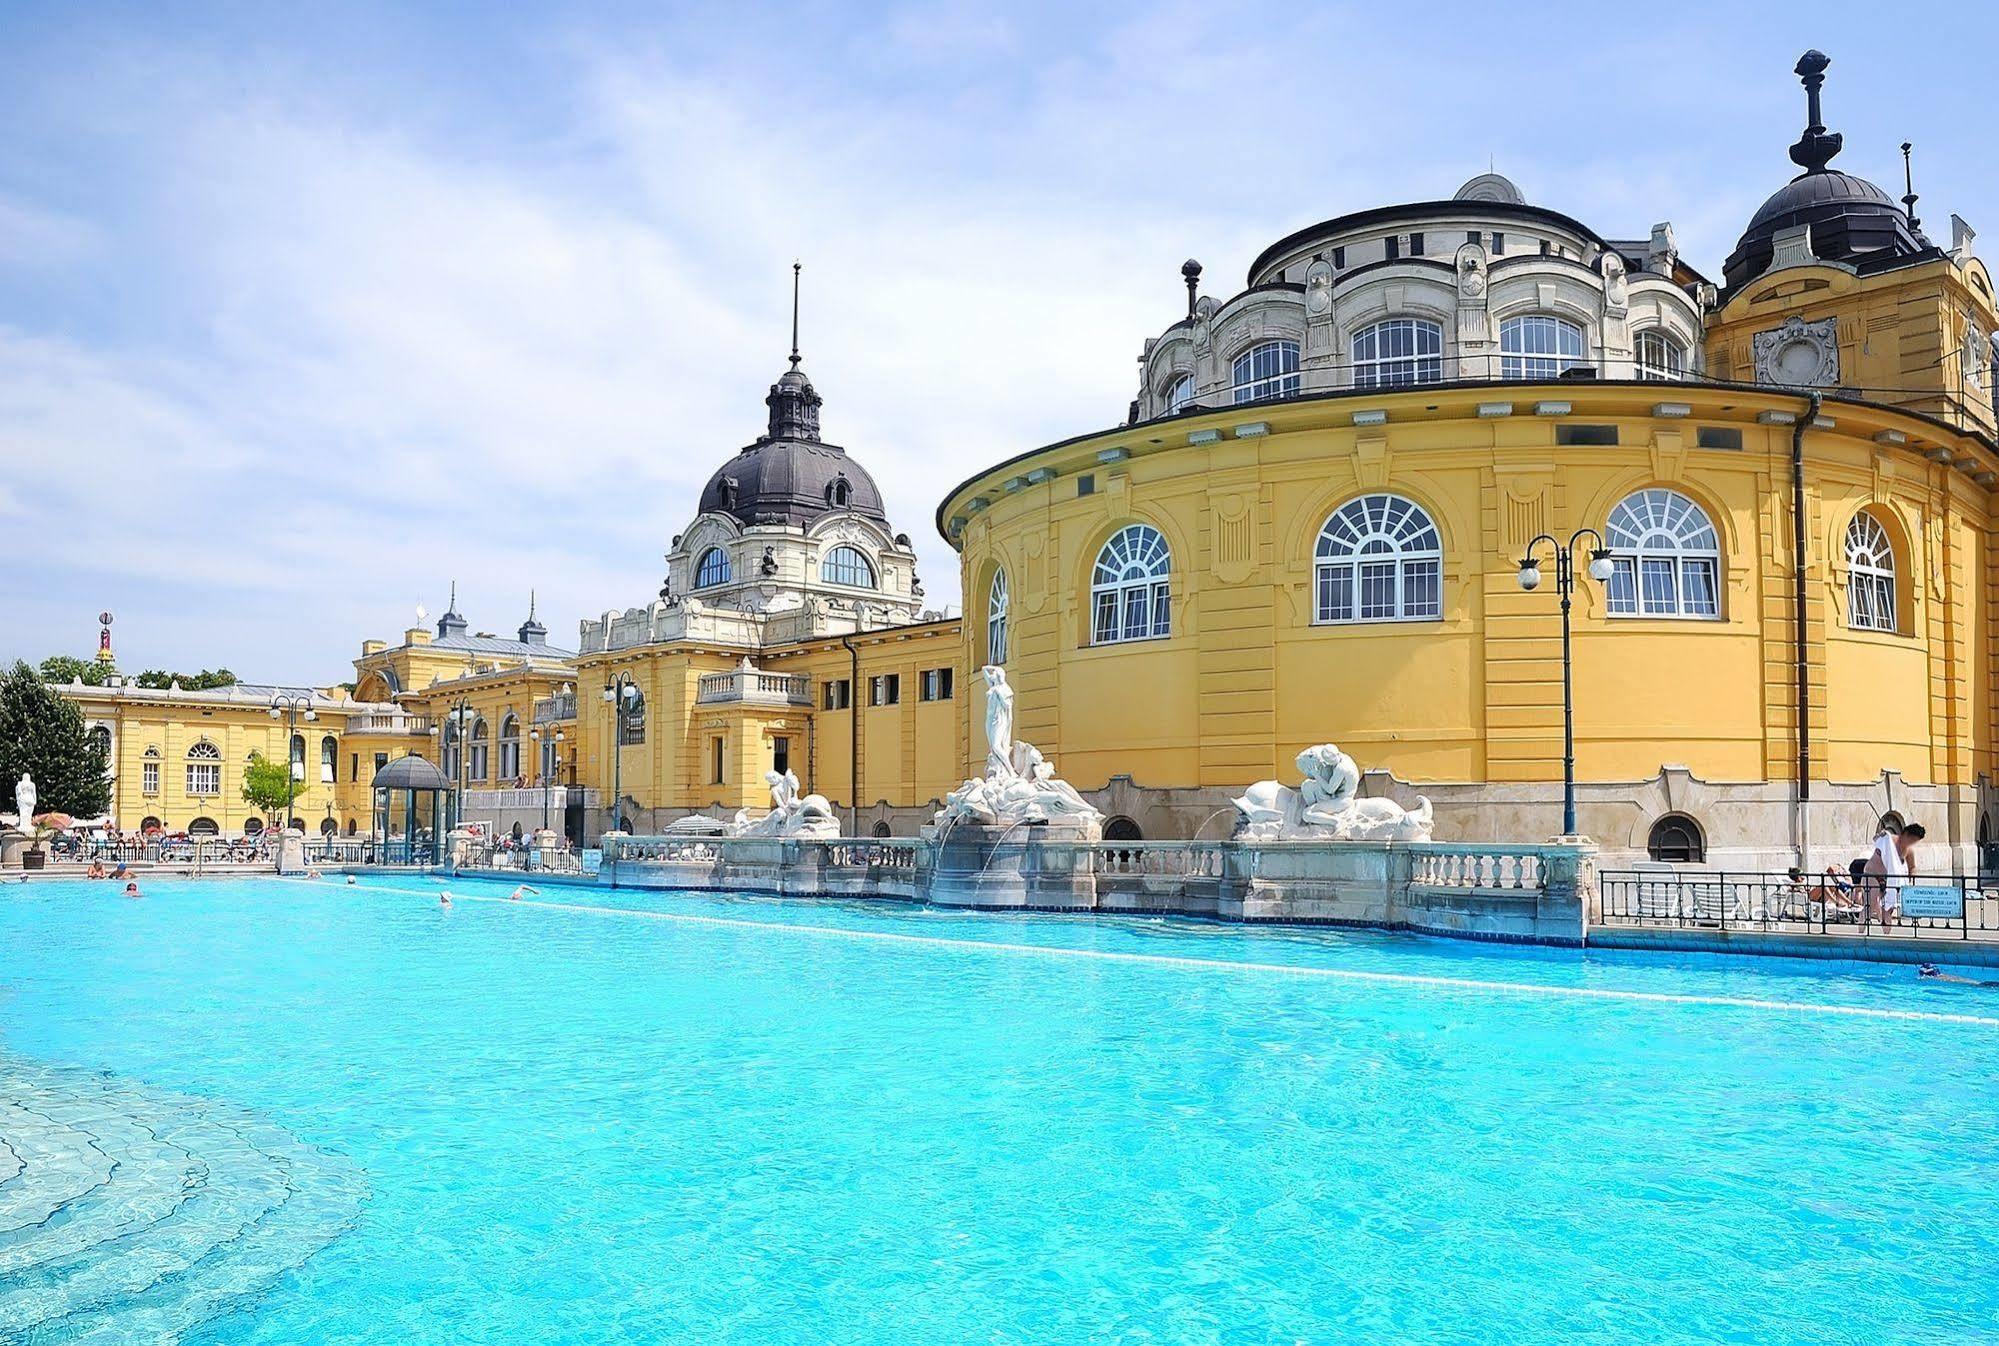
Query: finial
x=453 y=607
x=1191 y=270
x=795 y=269
x=1815 y=148
x=530 y=605
x=1909 y=186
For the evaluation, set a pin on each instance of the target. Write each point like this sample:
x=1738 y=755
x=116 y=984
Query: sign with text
x=593 y=860
x=1933 y=901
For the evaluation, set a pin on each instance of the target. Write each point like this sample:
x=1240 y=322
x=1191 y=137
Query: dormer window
x=838 y=492
x=713 y=569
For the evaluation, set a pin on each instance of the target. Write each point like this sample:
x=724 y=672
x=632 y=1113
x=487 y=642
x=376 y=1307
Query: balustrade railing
x=1447 y=865
x=781 y=689
x=555 y=709
x=376 y=723
x=1166 y=859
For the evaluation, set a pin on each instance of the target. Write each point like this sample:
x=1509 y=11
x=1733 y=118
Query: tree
x=268 y=786
x=42 y=733
x=67 y=668
x=189 y=682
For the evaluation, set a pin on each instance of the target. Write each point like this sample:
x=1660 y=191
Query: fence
x=1931 y=908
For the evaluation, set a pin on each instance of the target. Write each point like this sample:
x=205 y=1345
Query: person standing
x=1889 y=866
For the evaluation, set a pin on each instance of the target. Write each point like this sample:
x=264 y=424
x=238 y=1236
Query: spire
x=451 y=624
x=533 y=632
x=794 y=406
x=795 y=269
x=1909 y=186
x=1815 y=148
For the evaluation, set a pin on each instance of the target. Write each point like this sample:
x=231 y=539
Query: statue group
x=792 y=815
x=1020 y=785
x=1325 y=806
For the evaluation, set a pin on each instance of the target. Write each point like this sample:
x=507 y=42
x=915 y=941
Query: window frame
x=1649 y=370
x=1537 y=366
x=1114 y=588
x=1640 y=565
x=1249 y=384
x=1376 y=370
x=1178 y=392
x=1865 y=573
x=711 y=576
x=1399 y=525
x=846 y=560
x=205 y=758
x=999 y=607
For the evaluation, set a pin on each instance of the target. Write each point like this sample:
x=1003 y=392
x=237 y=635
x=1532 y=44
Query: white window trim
x=1679 y=555
x=999 y=605
x=1561 y=361
x=1270 y=385
x=1400 y=557
x=1368 y=371
x=1156 y=583
x=1862 y=531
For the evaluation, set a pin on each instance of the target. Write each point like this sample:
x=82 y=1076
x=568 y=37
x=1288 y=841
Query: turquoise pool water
x=674 y=1118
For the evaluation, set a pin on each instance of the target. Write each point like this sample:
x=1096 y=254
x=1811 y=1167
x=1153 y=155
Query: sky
x=306 y=312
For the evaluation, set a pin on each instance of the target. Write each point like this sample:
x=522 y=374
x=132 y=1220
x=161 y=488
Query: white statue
x=1020 y=785
x=24 y=800
x=1325 y=807
x=809 y=817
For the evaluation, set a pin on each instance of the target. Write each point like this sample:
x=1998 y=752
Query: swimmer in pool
x=515 y=896
x=443 y=898
x=350 y=878
x=1931 y=972
x=132 y=890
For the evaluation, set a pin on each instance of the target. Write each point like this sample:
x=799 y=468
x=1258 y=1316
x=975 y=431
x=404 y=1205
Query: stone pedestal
x=14 y=844
x=291 y=852
x=458 y=847
x=1048 y=866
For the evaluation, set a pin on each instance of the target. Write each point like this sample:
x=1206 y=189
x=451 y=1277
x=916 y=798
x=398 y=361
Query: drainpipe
x=854 y=732
x=1804 y=792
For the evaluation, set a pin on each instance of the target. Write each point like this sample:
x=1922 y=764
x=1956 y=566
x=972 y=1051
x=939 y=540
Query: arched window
x=1378 y=559
x=100 y=738
x=1398 y=353
x=203 y=827
x=453 y=751
x=252 y=826
x=996 y=610
x=1870 y=580
x=632 y=718
x=1121 y=828
x=329 y=759
x=298 y=756
x=847 y=565
x=883 y=830
x=329 y=828
x=149 y=772
x=1179 y=393
x=204 y=770
x=510 y=747
x=150 y=823
x=477 y=741
x=1129 y=593
x=1267 y=369
x=1538 y=347
x=1665 y=558
x=839 y=492
x=1659 y=356
x=713 y=569
x=1676 y=840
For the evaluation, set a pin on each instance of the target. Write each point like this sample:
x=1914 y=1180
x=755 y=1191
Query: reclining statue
x=807 y=818
x=1325 y=806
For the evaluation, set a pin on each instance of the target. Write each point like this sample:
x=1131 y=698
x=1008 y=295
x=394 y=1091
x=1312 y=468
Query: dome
x=1851 y=219
x=790 y=476
x=411 y=773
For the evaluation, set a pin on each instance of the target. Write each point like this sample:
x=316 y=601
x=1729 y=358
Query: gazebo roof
x=411 y=773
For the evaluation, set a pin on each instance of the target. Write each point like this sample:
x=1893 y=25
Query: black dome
x=790 y=476
x=1852 y=220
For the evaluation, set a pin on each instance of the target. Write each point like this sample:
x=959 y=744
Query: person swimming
x=1931 y=972
x=515 y=896
x=443 y=898
x=350 y=878
x=132 y=890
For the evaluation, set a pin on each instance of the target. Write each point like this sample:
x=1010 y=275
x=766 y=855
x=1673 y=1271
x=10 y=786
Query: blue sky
x=305 y=311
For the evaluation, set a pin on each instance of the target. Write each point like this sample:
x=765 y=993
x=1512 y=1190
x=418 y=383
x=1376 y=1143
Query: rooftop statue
x=1325 y=806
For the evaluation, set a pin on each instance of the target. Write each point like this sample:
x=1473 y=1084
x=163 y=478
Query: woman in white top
x=1889 y=866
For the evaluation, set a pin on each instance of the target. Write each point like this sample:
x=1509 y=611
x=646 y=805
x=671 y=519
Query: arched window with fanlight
x=510 y=746
x=1537 y=346
x=712 y=569
x=1398 y=353
x=1267 y=369
x=1130 y=587
x=997 y=604
x=1676 y=839
x=1378 y=559
x=1179 y=392
x=204 y=770
x=477 y=740
x=1658 y=356
x=1870 y=575
x=849 y=566
x=1665 y=558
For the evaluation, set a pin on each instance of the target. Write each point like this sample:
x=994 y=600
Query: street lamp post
x=617 y=693
x=550 y=762
x=1600 y=570
x=288 y=705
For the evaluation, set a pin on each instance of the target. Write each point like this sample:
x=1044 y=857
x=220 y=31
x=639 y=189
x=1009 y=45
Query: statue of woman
x=999 y=722
x=24 y=800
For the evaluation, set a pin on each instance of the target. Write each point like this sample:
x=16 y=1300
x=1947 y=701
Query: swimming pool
x=656 y=1117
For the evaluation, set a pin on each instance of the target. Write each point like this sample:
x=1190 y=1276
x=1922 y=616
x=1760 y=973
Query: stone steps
x=134 y=1215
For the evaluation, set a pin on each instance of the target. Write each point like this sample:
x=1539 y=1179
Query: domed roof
x=1851 y=219
x=790 y=476
x=411 y=773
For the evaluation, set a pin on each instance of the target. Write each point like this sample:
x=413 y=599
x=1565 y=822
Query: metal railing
x=1819 y=904
x=519 y=858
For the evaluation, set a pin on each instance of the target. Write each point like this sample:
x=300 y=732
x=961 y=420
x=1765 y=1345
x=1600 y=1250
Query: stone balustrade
x=753 y=687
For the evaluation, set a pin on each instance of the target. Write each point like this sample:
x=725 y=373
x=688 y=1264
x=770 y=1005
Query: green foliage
x=67 y=668
x=189 y=682
x=42 y=733
x=267 y=785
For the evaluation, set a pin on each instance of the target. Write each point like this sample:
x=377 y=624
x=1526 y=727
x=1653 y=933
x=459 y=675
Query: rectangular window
x=780 y=754
x=1546 y=247
x=839 y=694
x=1471 y=235
x=354 y=767
x=1391 y=247
x=715 y=760
x=1103 y=625
x=1719 y=437
x=1377 y=590
x=204 y=779
x=1697 y=579
x=1086 y=484
x=1415 y=245
x=1422 y=589
x=1658 y=585
x=1336 y=594
x=1339 y=258
x=149 y=778
x=1498 y=243
x=1597 y=435
x=885 y=689
x=381 y=760
x=936 y=684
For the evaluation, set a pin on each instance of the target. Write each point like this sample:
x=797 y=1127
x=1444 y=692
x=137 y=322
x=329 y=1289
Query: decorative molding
x=1233 y=538
x=1371 y=460
x=1669 y=454
x=1799 y=354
